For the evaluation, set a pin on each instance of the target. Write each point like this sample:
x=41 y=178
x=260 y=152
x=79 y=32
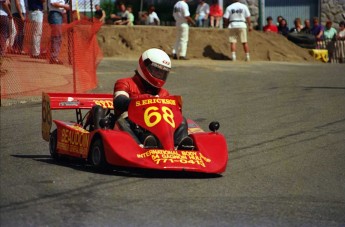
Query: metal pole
x=141 y=5
x=261 y=14
x=91 y=7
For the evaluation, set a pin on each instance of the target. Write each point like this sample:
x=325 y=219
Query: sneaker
x=183 y=58
x=186 y=143
x=150 y=142
x=37 y=56
x=175 y=57
x=55 y=61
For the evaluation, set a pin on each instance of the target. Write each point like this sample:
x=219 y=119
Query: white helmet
x=154 y=67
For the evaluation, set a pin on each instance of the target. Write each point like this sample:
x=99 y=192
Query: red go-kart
x=114 y=144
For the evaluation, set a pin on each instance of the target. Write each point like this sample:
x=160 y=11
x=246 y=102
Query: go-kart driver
x=150 y=76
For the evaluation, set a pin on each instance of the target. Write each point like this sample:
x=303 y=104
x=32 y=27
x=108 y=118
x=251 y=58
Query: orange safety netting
x=22 y=75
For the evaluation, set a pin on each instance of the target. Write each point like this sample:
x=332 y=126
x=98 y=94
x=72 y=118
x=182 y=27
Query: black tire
x=301 y=38
x=53 y=145
x=97 y=156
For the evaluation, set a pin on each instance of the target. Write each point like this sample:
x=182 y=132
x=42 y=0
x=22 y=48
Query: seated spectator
x=216 y=14
x=270 y=27
x=122 y=15
x=329 y=32
x=283 y=28
x=99 y=13
x=127 y=18
x=317 y=29
x=152 y=17
x=307 y=27
x=201 y=15
x=341 y=32
x=279 y=19
x=298 y=26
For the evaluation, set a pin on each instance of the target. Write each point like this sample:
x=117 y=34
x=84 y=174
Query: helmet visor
x=158 y=71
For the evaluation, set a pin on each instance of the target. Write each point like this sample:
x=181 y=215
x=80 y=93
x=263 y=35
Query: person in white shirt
x=182 y=17
x=122 y=16
x=127 y=17
x=36 y=16
x=202 y=12
x=236 y=15
x=152 y=18
x=55 y=18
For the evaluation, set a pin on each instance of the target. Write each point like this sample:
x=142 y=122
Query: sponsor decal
x=69 y=103
x=167 y=156
x=107 y=104
x=75 y=141
x=153 y=101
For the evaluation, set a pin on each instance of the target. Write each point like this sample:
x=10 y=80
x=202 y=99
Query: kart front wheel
x=96 y=156
x=53 y=145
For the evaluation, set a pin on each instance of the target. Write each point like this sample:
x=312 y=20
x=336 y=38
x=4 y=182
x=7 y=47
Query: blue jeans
x=19 y=40
x=55 y=20
x=201 y=22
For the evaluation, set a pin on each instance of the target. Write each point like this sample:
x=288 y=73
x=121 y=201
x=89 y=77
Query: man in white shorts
x=182 y=17
x=236 y=15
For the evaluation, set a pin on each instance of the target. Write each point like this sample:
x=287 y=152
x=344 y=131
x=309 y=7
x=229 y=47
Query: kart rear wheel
x=96 y=156
x=53 y=145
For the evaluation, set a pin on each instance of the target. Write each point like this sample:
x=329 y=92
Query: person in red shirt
x=216 y=13
x=270 y=27
x=150 y=76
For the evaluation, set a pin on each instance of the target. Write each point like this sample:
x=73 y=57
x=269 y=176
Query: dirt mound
x=120 y=41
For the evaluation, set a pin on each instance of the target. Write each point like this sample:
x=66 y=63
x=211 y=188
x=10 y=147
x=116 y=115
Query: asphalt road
x=285 y=129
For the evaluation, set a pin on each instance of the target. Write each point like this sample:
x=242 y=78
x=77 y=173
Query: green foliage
x=108 y=6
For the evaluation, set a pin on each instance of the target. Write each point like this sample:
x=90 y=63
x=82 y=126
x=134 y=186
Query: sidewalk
x=24 y=78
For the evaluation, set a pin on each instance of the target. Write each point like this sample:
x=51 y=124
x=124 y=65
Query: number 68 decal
x=152 y=116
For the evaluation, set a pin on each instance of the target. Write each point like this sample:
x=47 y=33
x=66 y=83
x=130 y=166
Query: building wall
x=333 y=10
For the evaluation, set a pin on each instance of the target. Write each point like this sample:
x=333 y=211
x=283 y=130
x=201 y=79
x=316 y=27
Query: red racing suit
x=136 y=87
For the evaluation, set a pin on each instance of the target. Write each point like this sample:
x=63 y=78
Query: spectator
x=201 y=15
x=18 y=8
x=36 y=16
x=279 y=19
x=236 y=15
x=283 y=28
x=216 y=14
x=182 y=17
x=298 y=26
x=317 y=29
x=5 y=17
x=307 y=28
x=270 y=27
x=55 y=18
x=329 y=32
x=152 y=18
x=100 y=13
x=341 y=33
x=127 y=19
x=130 y=20
x=122 y=15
